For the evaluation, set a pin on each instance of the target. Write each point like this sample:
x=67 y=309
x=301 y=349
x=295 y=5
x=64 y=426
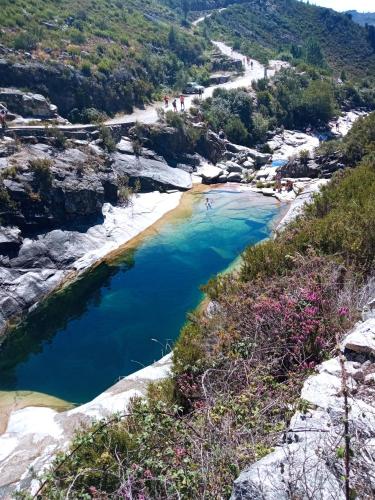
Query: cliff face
x=308 y=463
x=111 y=93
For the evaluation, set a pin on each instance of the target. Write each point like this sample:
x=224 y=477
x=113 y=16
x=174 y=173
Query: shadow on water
x=54 y=314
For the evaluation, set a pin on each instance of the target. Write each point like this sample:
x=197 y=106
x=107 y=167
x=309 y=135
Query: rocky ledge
x=309 y=460
x=34 y=435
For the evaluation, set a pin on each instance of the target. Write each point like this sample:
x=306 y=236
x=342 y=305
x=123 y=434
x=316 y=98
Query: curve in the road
x=149 y=115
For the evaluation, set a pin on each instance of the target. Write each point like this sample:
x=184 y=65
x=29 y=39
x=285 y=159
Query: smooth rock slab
x=152 y=174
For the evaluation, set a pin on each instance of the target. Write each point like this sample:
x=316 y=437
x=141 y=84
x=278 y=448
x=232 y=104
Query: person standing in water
x=208 y=204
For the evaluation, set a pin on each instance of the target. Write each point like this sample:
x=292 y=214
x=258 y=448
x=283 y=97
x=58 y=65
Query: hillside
x=264 y=29
x=107 y=55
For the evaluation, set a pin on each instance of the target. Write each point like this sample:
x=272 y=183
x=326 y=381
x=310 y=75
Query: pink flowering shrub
x=295 y=319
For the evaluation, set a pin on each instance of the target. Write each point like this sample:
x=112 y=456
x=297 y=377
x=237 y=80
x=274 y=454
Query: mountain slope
x=280 y=25
x=116 y=52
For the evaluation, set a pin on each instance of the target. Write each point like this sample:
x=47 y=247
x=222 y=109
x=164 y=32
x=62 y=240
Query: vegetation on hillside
x=296 y=30
x=132 y=47
x=292 y=99
x=237 y=373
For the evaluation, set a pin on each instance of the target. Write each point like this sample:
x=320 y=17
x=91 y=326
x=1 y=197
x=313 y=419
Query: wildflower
x=343 y=311
x=148 y=474
x=312 y=296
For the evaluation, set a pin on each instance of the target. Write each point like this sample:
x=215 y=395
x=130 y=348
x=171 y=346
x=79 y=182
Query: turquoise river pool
x=126 y=313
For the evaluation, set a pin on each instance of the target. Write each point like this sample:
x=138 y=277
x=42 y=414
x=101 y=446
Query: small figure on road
x=3 y=116
x=182 y=102
x=174 y=104
x=200 y=92
x=166 y=101
x=251 y=64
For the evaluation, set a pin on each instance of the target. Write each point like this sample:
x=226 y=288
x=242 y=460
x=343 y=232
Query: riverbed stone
x=210 y=173
x=234 y=177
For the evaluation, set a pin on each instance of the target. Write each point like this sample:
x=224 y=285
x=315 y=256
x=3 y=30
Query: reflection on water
x=117 y=318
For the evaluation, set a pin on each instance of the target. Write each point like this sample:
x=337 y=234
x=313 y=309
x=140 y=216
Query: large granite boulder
x=211 y=147
x=210 y=173
x=27 y=104
x=152 y=174
x=10 y=240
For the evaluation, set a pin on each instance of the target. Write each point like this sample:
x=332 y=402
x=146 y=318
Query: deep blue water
x=119 y=317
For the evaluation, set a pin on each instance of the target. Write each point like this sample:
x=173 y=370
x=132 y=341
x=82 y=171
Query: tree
x=172 y=37
x=185 y=5
x=236 y=130
x=314 y=54
x=317 y=104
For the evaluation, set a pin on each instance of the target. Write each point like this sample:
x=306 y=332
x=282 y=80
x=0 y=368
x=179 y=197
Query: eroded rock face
x=27 y=104
x=307 y=463
x=48 y=187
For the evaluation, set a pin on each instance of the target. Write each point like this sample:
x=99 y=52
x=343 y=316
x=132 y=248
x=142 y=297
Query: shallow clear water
x=279 y=163
x=119 y=316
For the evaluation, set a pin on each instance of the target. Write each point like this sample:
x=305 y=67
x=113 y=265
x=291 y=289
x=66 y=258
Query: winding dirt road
x=149 y=113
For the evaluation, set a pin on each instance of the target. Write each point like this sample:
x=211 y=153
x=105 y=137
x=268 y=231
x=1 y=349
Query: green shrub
x=108 y=142
x=41 y=168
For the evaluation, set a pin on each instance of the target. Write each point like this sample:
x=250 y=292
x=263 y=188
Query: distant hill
x=362 y=18
x=271 y=26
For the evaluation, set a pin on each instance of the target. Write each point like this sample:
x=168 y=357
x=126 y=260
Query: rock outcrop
x=113 y=92
x=27 y=104
x=308 y=462
x=152 y=174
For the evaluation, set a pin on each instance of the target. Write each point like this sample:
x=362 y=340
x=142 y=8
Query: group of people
x=181 y=100
x=278 y=183
x=174 y=103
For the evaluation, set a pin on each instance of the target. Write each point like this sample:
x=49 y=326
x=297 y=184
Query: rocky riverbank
x=307 y=462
